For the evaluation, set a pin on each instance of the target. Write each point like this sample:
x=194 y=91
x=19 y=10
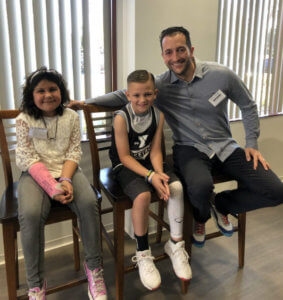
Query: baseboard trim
x=65 y=241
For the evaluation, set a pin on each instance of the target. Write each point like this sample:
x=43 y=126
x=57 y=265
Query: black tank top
x=141 y=130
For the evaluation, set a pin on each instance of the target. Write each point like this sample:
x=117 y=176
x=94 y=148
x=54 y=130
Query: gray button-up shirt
x=194 y=120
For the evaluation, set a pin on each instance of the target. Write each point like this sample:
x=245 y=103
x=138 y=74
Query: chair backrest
x=8 y=142
x=99 y=121
x=99 y=128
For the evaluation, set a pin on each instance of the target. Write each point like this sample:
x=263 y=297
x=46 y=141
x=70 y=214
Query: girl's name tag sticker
x=39 y=133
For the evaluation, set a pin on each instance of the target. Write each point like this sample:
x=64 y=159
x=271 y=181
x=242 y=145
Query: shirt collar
x=199 y=72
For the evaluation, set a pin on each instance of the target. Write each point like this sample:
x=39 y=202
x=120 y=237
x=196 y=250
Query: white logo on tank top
x=142 y=140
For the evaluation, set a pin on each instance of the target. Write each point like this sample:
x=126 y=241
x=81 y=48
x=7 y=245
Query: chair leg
x=100 y=221
x=76 y=244
x=159 y=226
x=241 y=238
x=118 y=222
x=185 y=284
x=17 y=260
x=9 y=232
x=188 y=225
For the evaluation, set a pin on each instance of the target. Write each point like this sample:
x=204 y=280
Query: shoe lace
x=145 y=261
x=199 y=228
x=98 y=282
x=35 y=295
x=225 y=219
x=181 y=254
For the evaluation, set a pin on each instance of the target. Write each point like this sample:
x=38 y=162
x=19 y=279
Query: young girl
x=48 y=153
x=137 y=164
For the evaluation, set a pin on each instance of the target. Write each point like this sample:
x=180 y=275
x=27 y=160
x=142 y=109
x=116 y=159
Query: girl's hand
x=161 y=186
x=67 y=197
x=67 y=187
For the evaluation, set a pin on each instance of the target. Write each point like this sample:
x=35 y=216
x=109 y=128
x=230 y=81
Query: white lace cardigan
x=53 y=153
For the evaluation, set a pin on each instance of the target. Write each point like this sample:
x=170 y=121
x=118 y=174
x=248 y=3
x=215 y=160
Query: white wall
x=141 y=21
x=139 y=25
x=199 y=17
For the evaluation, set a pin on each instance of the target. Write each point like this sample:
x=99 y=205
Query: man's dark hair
x=140 y=76
x=174 y=30
x=32 y=81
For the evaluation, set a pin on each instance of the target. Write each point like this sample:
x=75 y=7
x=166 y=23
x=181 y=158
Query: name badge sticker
x=39 y=133
x=218 y=97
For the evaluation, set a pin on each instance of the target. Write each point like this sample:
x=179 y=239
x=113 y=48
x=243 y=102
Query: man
x=193 y=96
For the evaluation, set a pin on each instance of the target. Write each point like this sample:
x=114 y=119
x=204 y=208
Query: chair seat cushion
x=111 y=186
x=9 y=204
x=9 y=208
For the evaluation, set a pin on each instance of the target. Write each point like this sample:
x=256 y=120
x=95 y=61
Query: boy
x=138 y=166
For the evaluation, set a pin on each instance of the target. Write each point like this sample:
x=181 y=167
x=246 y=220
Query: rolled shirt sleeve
x=115 y=99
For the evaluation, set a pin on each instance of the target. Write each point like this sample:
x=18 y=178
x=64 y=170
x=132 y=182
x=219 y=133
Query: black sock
x=142 y=242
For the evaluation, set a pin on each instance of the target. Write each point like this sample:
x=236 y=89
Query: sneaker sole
x=221 y=229
x=198 y=244
x=89 y=295
x=151 y=289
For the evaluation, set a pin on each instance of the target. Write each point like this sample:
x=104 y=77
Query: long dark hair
x=32 y=81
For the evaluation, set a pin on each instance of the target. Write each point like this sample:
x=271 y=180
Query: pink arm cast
x=42 y=176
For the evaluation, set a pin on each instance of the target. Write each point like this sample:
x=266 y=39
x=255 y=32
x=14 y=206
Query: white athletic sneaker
x=179 y=258
x=198 y=234
x=149 y=275
x=222 y=222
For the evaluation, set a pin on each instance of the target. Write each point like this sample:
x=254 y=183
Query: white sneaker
x=222 y=222
x=149 y=275
x=179 y=258
x=198 y=234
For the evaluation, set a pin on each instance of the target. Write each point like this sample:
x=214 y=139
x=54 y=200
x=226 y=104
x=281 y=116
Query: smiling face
x=177 y=56
x=141 y=95
x=47 y=97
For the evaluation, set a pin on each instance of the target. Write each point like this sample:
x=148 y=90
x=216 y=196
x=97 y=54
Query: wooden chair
x=241 y=220
x=9 y=214
x=99 y=136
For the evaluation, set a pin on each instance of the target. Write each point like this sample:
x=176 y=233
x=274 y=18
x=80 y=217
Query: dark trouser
x=257 y=188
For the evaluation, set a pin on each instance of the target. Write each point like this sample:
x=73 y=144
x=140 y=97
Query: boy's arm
x=156 y=157
x=160 y=179
x=123 y=148
x=122 y=144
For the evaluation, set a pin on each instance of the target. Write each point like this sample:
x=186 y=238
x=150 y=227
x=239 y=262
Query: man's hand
x=76 y=104
x=256 y=155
